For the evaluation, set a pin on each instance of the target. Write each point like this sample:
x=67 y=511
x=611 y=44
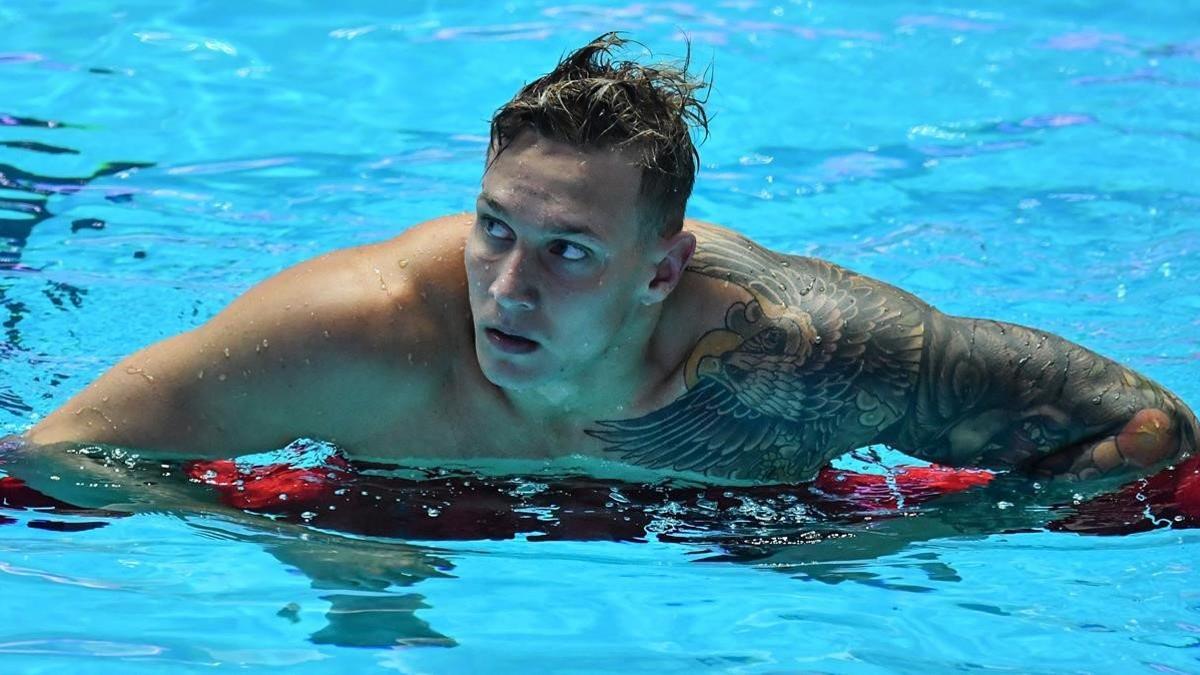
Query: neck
x=610 y=385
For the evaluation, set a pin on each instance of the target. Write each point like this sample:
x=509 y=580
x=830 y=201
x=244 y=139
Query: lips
x=510 y=343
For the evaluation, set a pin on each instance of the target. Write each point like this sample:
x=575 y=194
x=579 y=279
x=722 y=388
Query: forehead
x=543 y=180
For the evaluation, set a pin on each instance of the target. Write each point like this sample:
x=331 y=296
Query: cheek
x=589 y=313
x=478 y=271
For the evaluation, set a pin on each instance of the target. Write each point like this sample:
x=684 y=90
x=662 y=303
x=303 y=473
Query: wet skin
x=552 y=322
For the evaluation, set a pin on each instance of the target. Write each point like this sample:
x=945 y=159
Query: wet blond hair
x=592 y=102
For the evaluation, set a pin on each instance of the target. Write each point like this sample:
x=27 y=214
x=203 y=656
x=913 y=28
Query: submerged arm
x=1005 y=396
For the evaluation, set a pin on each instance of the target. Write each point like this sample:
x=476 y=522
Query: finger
x=1147 y=439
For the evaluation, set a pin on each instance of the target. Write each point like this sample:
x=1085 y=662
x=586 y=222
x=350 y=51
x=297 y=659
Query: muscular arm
x=302 y=354
x=1005 y=396
x=814 y=360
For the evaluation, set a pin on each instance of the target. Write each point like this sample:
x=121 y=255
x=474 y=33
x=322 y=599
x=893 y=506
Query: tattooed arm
x=1004 y=396
x=814 y=360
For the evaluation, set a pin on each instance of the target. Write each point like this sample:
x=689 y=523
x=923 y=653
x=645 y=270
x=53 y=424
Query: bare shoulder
x=722 y=252
x=395 y=294
x=303 y=353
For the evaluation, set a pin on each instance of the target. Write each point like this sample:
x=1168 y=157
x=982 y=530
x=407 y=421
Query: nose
x=512 y=288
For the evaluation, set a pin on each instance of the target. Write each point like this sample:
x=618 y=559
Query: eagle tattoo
x=818 y=361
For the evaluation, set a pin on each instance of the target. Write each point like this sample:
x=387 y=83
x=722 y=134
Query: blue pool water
x=1035 y=164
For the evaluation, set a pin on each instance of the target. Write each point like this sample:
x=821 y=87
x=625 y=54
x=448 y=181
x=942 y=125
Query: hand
x=1149 y=438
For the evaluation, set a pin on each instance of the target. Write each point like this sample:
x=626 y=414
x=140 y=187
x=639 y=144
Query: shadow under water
x=345 y=525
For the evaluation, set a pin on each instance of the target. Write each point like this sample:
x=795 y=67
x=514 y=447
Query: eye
x=569 y=251
x=494 y=228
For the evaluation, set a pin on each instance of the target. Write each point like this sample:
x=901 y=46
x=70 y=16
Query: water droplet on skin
x=325 y=333
x=227 y=352
x=138 y=371
x=200 y=375
x=265 y=344
x=1096 y=400
x=221 y=377
x=403 y=263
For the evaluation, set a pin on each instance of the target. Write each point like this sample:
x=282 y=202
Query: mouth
x=510 y=343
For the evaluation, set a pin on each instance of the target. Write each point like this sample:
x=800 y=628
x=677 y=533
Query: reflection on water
x=20 y=214
x=24 y=196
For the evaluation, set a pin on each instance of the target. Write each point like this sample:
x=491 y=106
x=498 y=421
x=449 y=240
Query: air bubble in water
x=528 y=488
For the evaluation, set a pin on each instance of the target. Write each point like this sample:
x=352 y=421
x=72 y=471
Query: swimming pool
x=1034 y=165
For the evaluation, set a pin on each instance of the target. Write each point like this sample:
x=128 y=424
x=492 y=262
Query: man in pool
x=578 y=312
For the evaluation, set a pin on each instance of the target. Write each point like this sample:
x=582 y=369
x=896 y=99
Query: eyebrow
x=556 y=226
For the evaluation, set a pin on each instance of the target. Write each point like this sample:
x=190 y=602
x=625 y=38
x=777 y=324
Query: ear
x=676 y=253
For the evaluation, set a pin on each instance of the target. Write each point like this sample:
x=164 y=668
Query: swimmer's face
x=557 y=262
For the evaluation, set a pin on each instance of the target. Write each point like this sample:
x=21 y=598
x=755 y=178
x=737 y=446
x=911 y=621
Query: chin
x=509 y=373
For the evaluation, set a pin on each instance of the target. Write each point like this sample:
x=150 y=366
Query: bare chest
x=466 y=431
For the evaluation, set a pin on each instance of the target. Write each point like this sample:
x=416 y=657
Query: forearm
x=1005 y=396
x=95 y=477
